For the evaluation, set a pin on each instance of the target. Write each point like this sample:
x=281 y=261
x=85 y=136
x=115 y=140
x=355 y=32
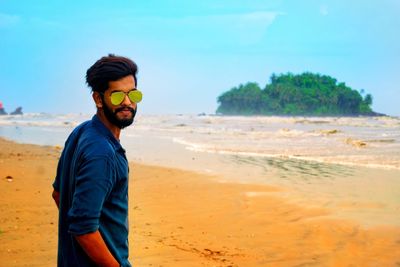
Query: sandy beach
x=182 y=218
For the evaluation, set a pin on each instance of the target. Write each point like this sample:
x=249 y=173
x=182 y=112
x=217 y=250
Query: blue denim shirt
x=92 y=178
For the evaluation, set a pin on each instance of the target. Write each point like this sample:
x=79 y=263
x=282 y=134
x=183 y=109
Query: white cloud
x=45 y=23
x=203 y=30
x=245 y=28
x=8 y=20
x=248 y=27
x=248 y=18
x=323 y=10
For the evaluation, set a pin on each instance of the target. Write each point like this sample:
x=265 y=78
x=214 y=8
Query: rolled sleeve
x=93 y=184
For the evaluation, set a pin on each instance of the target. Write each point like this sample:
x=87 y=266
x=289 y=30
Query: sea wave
x=371 y=160
x=43 y=120
x=366 y=141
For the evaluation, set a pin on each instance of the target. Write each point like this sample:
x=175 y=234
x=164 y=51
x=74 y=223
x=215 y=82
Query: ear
x=97 y=99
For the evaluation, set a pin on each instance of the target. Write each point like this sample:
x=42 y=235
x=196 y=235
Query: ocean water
x=348 y=141
x=336 y=162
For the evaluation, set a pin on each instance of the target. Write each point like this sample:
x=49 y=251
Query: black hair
x=109 y=68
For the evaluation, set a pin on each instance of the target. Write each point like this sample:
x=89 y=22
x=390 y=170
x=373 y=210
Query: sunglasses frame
x=125 y=94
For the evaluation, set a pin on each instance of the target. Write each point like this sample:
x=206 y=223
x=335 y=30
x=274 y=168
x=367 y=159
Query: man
x=91 y=185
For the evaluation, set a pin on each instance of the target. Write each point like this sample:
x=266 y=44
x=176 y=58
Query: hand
x=56 y=197
x=95 y=247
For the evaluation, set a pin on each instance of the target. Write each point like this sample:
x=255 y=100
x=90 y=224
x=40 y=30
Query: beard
x=112 y=116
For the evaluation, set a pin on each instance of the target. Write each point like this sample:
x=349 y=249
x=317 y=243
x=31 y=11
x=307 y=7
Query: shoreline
x=363 y=194
x=357 y=142
x=184 y=218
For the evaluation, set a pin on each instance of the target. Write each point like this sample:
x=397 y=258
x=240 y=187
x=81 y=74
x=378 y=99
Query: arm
x=93 y=184
x=56 y=197
x=95 y=247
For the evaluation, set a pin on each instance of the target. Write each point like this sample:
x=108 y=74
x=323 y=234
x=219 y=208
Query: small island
x=306 y=94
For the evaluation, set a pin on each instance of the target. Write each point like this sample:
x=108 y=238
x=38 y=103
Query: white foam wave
x=39 y=123
x=43 y=120
x=341 y=160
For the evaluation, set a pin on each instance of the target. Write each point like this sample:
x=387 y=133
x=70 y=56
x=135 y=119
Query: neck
x=114 y=129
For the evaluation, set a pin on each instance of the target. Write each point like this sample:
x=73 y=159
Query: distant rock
x=2 y=111
x=17 y=111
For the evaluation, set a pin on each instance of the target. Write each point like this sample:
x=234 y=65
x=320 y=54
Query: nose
x=128 y=102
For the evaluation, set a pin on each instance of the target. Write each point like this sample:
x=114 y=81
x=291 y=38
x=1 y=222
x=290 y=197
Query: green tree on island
x=289 y=94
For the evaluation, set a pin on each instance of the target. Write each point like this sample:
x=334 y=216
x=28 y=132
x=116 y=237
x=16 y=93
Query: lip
x=125 y=112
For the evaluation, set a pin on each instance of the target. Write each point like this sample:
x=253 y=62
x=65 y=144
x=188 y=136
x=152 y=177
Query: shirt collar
x=99 y=125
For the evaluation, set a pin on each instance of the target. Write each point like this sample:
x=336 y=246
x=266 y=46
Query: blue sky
x=189 y=52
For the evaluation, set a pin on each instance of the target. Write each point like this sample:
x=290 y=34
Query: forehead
x=124 y=84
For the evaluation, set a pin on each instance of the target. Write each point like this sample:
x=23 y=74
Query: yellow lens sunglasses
x=117 y=97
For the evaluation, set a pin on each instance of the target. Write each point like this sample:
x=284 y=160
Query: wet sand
x=181 y=218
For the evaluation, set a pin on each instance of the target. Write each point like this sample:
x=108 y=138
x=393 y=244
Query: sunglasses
x=117 y=97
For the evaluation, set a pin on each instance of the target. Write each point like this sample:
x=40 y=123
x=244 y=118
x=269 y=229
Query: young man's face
x=121 y=115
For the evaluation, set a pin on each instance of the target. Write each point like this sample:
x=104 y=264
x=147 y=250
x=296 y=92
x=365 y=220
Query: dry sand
x=180 y=218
